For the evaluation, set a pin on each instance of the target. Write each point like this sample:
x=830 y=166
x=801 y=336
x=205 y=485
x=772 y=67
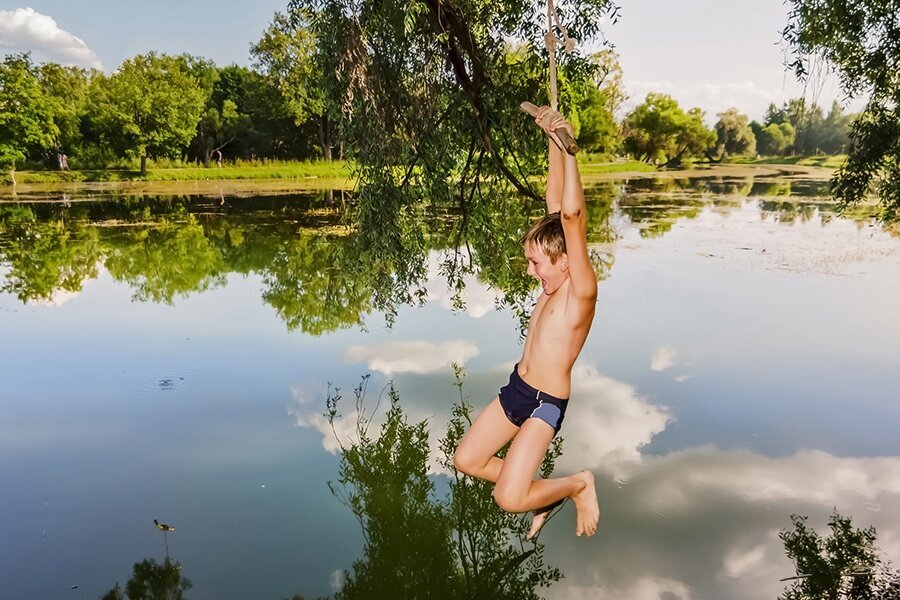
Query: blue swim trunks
x=520 y=402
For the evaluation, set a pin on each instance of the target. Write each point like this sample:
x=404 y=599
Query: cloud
x=711 y=97
x=478 y=299
x=645 y=587
x=25 y=29
x=412 y=357
x=662 y=359
x=705 y=521
x=607 y=423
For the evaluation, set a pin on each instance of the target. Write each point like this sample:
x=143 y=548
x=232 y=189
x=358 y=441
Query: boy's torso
x=552 y=344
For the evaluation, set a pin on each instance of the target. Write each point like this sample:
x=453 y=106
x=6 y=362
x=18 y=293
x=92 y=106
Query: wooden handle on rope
x=562 y=138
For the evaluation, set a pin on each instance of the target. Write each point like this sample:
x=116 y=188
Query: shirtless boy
x=530 y=408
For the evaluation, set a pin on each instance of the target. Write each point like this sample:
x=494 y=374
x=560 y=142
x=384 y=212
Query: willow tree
x=428 y=94
x=861 y=42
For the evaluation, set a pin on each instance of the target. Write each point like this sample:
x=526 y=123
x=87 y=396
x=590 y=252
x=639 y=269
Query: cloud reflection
x=696 y=523
x=412 y=357
x=662 y=359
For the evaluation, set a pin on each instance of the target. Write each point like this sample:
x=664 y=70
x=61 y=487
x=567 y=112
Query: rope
x=550 y=41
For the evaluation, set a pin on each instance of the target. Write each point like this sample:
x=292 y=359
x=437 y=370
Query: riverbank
x=288 y=178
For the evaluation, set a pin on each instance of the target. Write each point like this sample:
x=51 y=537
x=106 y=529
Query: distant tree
x=150 y=106
x=66 y=89
x=843 y=566
x=659 y=131
x=771 y=140
x=271 y=129
x=836 y=130
x=26 y=114
x=734 y=135
x=287 y=54
x=601 y=98
x=861 y=41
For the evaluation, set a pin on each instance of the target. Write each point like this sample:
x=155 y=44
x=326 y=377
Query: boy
x=530 y=408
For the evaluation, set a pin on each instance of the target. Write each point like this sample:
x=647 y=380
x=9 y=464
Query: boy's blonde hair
x=547 y=234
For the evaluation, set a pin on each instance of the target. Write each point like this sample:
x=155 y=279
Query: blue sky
x=708 y=53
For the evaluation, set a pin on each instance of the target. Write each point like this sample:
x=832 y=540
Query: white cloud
x=607 y=423
x=27 y=29
x=412 y=357
x=663 y=358
x=708 y=519
x=711 y=97
x=645 y=588
x=478 y=298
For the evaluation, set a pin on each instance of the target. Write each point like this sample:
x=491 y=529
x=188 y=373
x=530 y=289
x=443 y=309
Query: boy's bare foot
x=540 y=517
x=586 y=505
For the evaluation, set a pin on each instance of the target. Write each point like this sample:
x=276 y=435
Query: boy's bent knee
x=508 y=501
x=464 y=463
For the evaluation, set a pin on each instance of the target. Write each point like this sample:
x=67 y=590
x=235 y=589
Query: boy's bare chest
x=547 y=316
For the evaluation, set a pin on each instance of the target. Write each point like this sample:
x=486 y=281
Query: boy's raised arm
x=573 y=215
x=555 y=178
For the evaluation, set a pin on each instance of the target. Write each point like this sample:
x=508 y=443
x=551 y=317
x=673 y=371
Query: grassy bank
x=336 y=173
x=827 y=161
x=259 y=170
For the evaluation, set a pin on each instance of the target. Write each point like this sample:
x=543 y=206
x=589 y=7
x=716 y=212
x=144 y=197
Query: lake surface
x=170 y=358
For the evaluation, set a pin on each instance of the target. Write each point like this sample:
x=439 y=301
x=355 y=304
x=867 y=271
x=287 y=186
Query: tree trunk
x=325 y=137
x=143 y=164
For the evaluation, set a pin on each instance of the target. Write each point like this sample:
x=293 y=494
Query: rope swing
x=564 y=140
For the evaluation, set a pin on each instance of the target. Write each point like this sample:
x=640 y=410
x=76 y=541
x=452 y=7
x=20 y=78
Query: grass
x=244 y=170
x=827 y=161
x=596 y=168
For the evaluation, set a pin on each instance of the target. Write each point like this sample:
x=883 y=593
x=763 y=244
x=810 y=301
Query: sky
x=714 y=54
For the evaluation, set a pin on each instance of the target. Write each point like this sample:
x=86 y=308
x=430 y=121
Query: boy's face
x=551 y=276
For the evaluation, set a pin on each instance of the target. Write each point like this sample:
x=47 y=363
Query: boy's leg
x=518 y=491
x=491 y=431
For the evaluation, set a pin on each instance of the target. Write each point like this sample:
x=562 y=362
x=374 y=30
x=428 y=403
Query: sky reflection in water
x=742 y=367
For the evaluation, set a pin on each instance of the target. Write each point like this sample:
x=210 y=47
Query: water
x=169 y=358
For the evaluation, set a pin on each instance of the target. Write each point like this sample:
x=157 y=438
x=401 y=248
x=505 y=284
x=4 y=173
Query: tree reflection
x=419 y=543
x=322 y=268
x=45 y=255
x=844 y=565
x=326 y=265
x=152 y=581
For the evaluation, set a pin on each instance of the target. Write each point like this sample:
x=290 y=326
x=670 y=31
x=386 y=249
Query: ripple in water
x=166 y=382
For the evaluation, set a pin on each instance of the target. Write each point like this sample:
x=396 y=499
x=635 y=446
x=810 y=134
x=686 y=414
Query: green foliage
x=428 y=95
x=152 y=581
x=149 y=107
x=46 y=255
x=419 y=544
x=66 y=90
x=600 y=98
x=26 y=116
x=861 y=41
x=773 y=138
x=659 y=131
x=733 y=134
x=287 y=55
x=844 y=565
x=168 y=260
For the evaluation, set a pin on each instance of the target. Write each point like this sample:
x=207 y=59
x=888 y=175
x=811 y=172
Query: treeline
x=659 y=131
x=187 y=108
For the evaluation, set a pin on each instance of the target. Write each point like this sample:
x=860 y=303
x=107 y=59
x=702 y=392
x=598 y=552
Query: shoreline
x=244 y=187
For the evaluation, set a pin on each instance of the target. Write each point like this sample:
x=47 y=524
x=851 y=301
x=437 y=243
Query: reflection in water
x=319 y=273
x=846 y=564
x=152 y=581
x=420 y=543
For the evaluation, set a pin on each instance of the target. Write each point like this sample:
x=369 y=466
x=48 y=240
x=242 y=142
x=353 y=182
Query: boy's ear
x=565 y=262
